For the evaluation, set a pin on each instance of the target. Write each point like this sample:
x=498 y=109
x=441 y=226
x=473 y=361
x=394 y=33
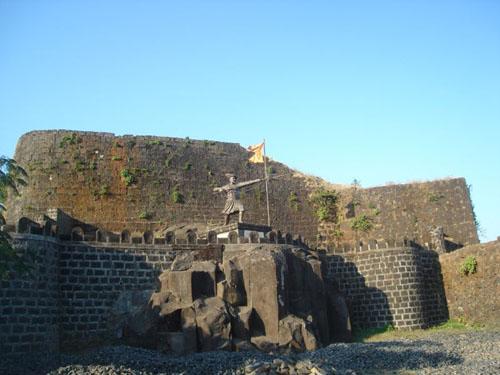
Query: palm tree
x=11 y=177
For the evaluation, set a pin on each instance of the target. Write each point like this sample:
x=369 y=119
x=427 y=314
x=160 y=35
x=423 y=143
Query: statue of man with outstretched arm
x=232 y=190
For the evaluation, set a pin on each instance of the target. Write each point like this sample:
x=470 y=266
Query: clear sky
x=377 y=91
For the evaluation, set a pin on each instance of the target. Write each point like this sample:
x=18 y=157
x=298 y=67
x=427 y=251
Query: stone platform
x=246 y=230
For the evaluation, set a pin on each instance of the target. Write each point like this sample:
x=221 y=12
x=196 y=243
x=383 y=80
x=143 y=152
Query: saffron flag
x=258 y=153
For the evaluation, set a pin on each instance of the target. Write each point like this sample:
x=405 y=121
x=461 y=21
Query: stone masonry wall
x=67 y=299
x=29 y=305
x=406 y=211
x=474 y=298
x=398 y=286
x=171 y=181
x=84 y=174
x=92 y=276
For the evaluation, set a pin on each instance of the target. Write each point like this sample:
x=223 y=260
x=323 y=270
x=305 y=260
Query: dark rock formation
x=260 y=296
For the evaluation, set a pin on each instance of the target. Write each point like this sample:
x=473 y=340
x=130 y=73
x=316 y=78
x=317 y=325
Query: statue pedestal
x=244 y=230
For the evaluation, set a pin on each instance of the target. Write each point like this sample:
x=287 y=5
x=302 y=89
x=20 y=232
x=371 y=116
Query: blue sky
x=380 y=91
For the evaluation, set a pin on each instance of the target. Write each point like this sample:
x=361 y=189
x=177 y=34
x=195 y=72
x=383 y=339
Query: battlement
x=381 y=244
x=59 y=225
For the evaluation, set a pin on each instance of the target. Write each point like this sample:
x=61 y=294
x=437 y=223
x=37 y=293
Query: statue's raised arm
x=248 y=183
x=233 y=202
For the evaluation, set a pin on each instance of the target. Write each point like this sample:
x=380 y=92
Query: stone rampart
x=29 y=305
x=475 y=297
x=145 y=183
x=399 y=285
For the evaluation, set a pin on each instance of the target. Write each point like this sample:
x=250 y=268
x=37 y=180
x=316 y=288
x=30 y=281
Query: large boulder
x=306 y=290
x=213 y=324
x=262 y=268
x=296 y=334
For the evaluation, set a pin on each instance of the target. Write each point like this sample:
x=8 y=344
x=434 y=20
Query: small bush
x=362 y=222
x=155 y=143
x=325 y=202
x=469 y=266
x=176 y=197
x=145 y=215
x=435 y=197
x=79 y=166
x=293 y=201
x=103 y=191
x=337 y=233
x=128 y=177
x=72 y=139
x=187 y=166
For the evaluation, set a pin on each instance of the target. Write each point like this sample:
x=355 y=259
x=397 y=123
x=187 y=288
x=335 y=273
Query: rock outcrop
x=265 y=297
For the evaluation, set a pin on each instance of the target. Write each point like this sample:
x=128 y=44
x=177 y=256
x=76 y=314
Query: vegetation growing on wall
x=435 y=197
x=187 y=166
x=176 y=196
x=128 y=176
x=293 y=201
x=72 y=139
x=325 y=203
x=145 y=215
x=469 y=266
x=362 y=223
x=103 y=191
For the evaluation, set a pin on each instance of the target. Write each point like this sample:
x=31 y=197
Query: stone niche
x=257 y=297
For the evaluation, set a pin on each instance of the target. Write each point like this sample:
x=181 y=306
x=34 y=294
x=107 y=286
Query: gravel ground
x=465 y=352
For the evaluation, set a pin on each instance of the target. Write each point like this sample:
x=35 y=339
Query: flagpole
x=267 y=189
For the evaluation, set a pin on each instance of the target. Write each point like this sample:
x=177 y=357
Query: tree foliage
x=12 y=176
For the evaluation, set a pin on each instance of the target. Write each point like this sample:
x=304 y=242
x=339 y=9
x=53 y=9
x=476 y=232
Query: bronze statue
x=232 y=190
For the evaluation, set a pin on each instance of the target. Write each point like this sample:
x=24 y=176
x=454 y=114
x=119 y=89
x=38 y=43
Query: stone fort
x=105 y=214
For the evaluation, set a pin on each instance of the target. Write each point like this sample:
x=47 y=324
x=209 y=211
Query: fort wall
x=400 y=286
x=145 y=183
x=409 y=211
x=29 y=305
x=473 y=298
x=68 y=300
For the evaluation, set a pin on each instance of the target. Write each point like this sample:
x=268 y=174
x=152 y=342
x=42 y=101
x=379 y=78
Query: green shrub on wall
x=362 y=222
x=469 y=266
x=177 y=197
x=145 y=215
x=127 y=176
x=325 y=202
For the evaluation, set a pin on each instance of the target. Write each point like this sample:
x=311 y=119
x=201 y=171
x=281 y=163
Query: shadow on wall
x=99 y=286
x=434 y=302
x=369 y=306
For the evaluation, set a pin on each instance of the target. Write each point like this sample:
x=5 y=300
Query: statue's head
x=232 y=177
